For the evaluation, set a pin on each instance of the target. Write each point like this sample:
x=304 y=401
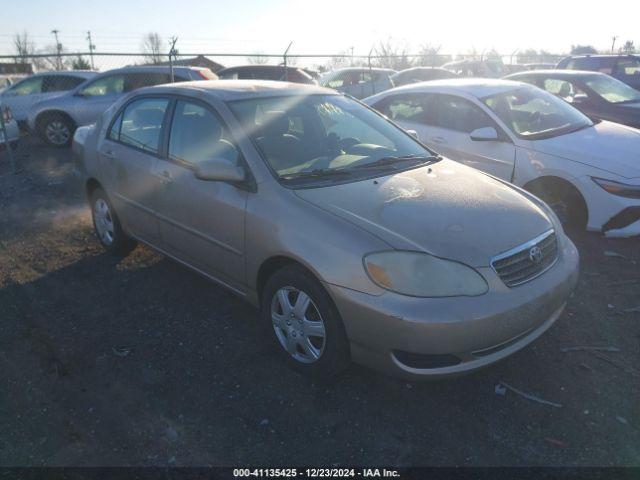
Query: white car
x=588 y=172
x=23 y=94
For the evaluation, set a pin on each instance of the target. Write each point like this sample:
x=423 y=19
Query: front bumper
x=461 y=334
x=607 y=210
x=13 y=132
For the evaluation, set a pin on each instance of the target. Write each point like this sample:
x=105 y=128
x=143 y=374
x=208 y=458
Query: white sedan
x=588 y=172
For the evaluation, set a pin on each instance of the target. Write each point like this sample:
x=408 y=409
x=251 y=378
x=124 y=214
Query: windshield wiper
x=317 y=173
x=391 y=160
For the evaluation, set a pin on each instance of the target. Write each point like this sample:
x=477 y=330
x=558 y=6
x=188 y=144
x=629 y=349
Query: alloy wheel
x=103 y=221
x=298 y=324
x=57 y=132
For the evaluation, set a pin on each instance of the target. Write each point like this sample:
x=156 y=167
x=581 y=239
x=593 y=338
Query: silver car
x=359 y=82
x=24 y=94
x=55 y=119
x=354 y=240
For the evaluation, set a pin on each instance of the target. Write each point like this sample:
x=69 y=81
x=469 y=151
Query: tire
x=107 y=225
x=566 y=202
x=311 y=340
x=56 y=130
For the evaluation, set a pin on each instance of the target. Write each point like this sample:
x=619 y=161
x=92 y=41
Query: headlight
x=421 y=275
x=617 y=188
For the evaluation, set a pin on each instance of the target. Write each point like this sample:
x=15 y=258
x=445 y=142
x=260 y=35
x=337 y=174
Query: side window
x=30 y=86
x=197 y=134
x=410 y=108
x=461 y=115
x=109 y=85
x=60 y=83
x=134 y=81
x=140 y=124
x=561 y=88
x=232 y=75
x=628 y=67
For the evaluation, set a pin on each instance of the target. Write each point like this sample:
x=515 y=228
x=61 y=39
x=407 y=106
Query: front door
x=448 y=130
x=201 y=222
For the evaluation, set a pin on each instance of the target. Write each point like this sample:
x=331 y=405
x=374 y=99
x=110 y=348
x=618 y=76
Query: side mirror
x=219 y=169
x=485 y=134
x=414 y=134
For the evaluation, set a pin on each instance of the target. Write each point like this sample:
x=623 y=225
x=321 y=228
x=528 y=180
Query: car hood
x=607 y=146
x=447 y=209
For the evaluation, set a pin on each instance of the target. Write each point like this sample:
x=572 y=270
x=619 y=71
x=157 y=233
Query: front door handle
x=438 y=140
x=165 y=176
x=108 y=154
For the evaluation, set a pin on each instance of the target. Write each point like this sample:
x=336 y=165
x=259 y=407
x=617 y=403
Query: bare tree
x=257 y=59
x=152 y=48
x=23 y=46
x=628 y=47
x=392 y=55
x=582 y=49
x=430 y=56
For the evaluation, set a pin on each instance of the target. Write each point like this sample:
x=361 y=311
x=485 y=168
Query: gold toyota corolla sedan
x=356 y=241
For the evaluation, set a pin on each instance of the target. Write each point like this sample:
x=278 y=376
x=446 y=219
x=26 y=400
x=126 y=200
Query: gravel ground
x=141 y=362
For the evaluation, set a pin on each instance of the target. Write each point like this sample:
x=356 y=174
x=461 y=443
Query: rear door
x=201 y=222
x=128 y=156
x=448 y=131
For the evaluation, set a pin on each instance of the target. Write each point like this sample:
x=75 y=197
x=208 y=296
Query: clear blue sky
x=325 y=26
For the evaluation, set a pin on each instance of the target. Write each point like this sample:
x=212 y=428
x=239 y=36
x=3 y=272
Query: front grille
x=524 y=263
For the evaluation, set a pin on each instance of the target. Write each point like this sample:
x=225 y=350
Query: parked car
x=266 y=72
x=22 y=95
x=477 y=68
x=625 y=68
x=420 y=74
x=538 y=66
x=359 y=82
x=55 y=119
x=597 y=95
x=354 y=239
x=11 y=127
x=588 y=172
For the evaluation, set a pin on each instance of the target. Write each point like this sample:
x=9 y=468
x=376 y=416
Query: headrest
x=274 y=123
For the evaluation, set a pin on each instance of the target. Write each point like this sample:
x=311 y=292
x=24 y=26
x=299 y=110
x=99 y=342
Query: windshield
x=308 y=138
x=612 y=90
x=535 y=114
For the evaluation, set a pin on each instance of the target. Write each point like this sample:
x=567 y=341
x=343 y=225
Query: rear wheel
x=107 y=226
x=307 y=328
x=56 y=130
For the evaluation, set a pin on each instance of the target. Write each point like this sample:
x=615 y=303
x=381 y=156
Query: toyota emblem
x=535 y=255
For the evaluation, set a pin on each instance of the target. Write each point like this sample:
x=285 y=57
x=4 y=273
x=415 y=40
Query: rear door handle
x=438 y=140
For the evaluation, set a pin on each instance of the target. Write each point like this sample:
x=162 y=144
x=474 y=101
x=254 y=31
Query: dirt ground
x=141 y=362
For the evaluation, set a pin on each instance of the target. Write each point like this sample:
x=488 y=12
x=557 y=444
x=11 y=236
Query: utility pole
x=172 y=53
x=58 y=48
x=613 y=43
x=92 y=47
x=286 y=75
x=351 y=56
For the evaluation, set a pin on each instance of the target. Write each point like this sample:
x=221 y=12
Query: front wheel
x=107 y=226
x=307 y=328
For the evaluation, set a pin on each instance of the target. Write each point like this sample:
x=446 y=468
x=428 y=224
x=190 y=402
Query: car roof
x=559 y=73
x=475 y=87
x=603 y=55
x=67 y=73
x=229 y=90
x=362 y=69
x=258 y=67
x=151 y=69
